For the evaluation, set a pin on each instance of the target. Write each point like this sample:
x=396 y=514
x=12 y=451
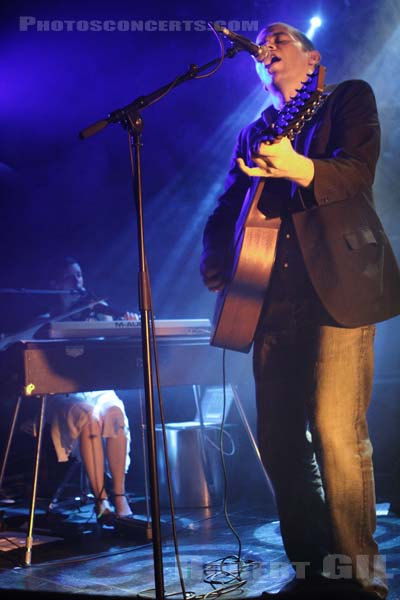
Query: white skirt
x=69 y=413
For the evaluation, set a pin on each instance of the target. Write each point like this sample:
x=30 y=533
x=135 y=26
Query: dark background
x=61 y=195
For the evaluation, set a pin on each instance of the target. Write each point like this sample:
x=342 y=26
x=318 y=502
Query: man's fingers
x=260 y=162
x=216 y=287
x=242 y=164
x=214 y=281
x=253 y=171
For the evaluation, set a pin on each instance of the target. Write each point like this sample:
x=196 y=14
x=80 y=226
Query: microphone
x=76 y=292
x=84 y=293
x=259 y=52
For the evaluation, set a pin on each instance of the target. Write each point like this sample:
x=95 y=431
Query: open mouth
x=274 y=59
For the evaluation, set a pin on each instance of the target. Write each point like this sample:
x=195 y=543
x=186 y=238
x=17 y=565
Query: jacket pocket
x=360 y=237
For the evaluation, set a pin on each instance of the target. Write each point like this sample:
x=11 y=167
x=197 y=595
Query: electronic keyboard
x=125 y=328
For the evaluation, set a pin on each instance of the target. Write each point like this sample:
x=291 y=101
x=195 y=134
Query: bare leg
x=91 y=447
x=116 y=454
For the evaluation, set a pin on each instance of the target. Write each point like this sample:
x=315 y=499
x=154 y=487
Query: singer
x=333 y=277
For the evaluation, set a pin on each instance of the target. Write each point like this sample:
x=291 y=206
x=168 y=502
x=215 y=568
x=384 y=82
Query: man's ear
x=314 y=57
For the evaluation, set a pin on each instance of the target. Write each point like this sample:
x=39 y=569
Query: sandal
x=104 y=513
x=119 y=516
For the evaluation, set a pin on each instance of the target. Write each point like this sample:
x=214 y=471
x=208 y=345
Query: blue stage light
x=315 y=22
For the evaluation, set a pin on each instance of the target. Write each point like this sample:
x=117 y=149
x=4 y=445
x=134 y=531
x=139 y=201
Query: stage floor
x=78 y=557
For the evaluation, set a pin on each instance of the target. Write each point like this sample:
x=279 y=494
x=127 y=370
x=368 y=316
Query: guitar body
x=239 y=304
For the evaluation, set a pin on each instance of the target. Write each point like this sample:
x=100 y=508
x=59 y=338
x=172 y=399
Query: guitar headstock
x=300 y=109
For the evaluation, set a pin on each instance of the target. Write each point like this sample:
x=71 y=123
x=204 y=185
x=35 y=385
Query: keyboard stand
x=29 y=535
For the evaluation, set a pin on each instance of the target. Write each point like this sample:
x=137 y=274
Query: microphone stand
x=120 y=115
x=131 y=120
x=34 y=292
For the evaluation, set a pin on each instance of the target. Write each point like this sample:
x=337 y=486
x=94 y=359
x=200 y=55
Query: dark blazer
x=346 y=252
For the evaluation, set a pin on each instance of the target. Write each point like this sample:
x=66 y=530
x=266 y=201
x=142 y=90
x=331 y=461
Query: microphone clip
x=240 y=43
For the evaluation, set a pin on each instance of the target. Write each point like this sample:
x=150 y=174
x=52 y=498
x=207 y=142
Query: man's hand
x=212 y=273
x=280 y=160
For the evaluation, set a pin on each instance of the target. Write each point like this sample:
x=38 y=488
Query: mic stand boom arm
x=130 y=118
x=119 y=115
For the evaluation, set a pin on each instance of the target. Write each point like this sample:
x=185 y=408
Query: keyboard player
x=91 y=425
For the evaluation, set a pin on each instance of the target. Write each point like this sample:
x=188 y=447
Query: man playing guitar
x=333 y=277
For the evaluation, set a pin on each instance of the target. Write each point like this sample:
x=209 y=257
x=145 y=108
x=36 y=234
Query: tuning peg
x=282 y=120
x=309 y=79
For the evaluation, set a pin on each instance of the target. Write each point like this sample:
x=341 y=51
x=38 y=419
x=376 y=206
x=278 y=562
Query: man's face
x=286 y=60
x=72 y=278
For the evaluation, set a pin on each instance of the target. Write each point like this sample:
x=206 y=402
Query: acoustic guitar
x=239 y=304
